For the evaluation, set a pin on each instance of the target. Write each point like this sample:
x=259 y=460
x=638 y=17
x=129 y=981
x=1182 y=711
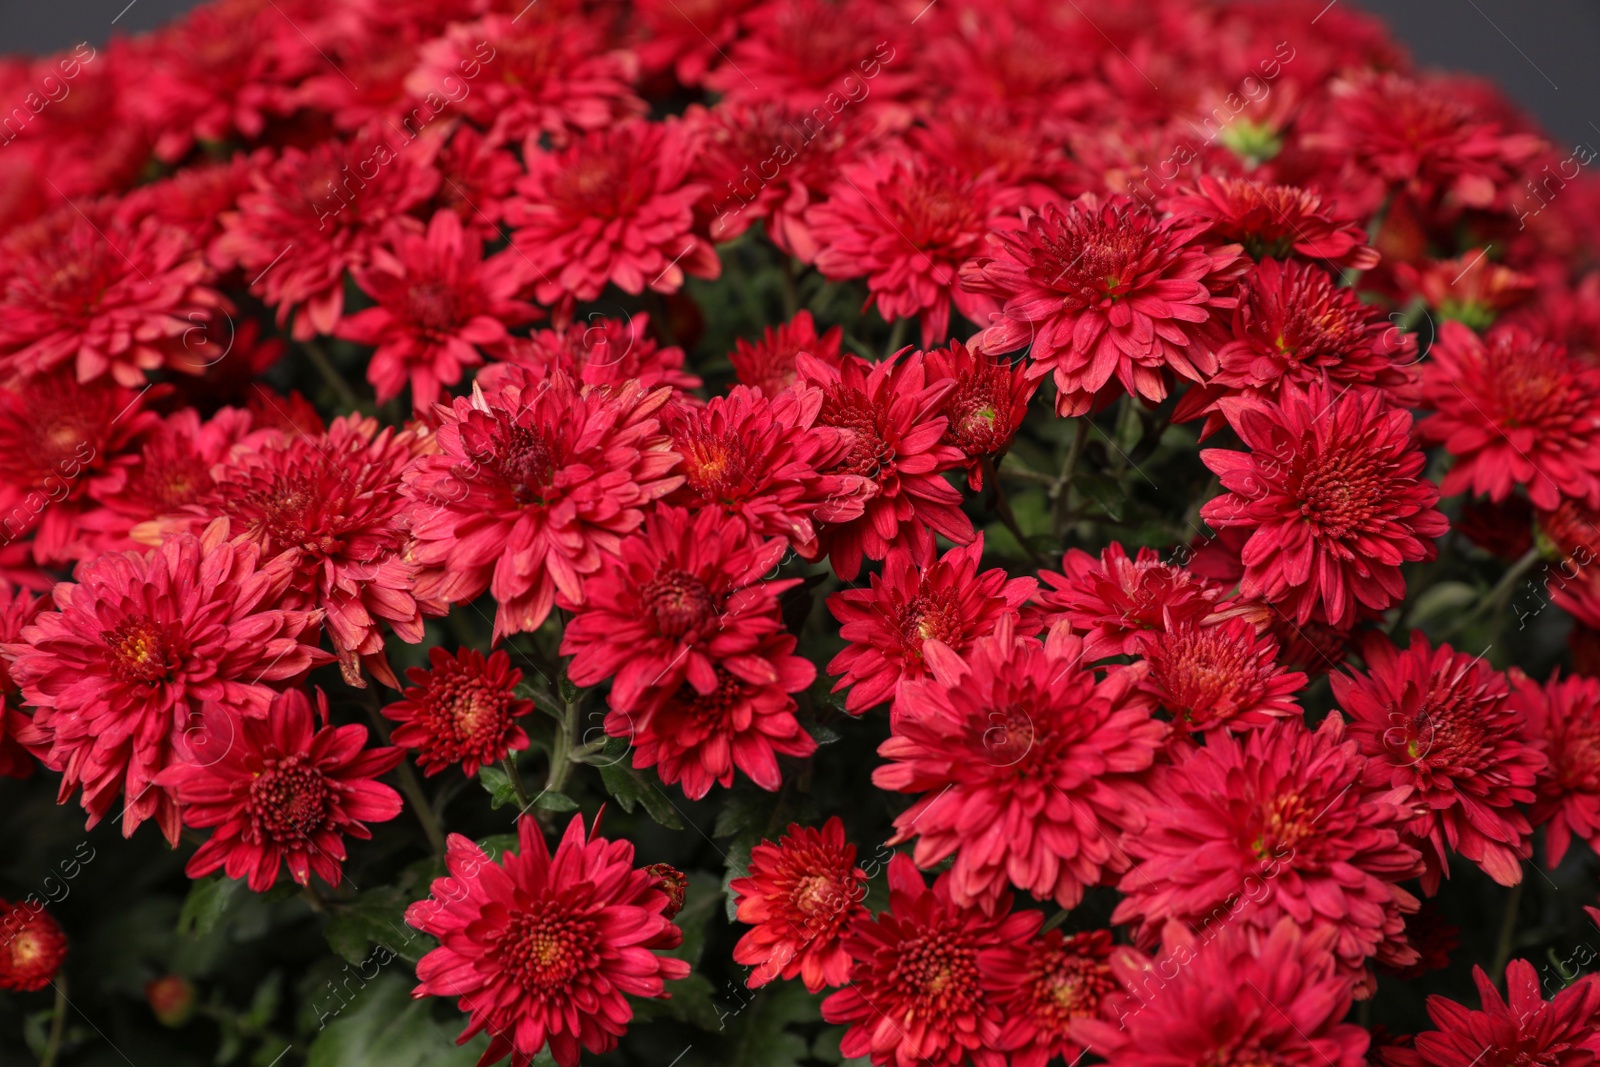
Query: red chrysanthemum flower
x=1332 y=490
x=531 y=484
x=1563 y=717
x=1243 y=997
x=987 y=405
x=1520 y=1028
x=476 y=177
x=758 y=459
x=1111 y=600
x=768 y=365
x=133 y=652
x=1224 y=676
x=541 y=949
x=1277 y=823
x=18 y=608
x=1102 y=289
x=313 y=214
x=32 y=947
x=800 y=895
x=906 y=224
x=438 y=300
x=460 y=709
x=698 y=738
x=596 y=351
x=1471 y=289
x=330 y=507
x=99 y=295
x=282 y=793
x=687 y=38
x=890 y=408
x=916 y=994
x=1296 y=325
x=1027 y=762
x=617 y=206
x=1432 y=937
x=1513 y=410
x=62 y=442
x=1440 y=722
x=674 y=602
x=551 y=75
x=911 y=602
x=1273 y=221
x=1044 y=988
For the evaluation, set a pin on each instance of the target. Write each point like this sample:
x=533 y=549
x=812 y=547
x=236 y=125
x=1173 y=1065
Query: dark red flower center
x=1339 y=490
x=716 y=466
x=932 y=613
x=1067 y=986
x=680 y=602
x=1202 y=672
x=525 y=461
x=1283 y=823
x=548 y=947
x=434 y=309
x=289 y=800
x=142 y=651
x=289 y=510
x=934 y=211
x=937 y=976
x=870 y=456
x=1092 y=261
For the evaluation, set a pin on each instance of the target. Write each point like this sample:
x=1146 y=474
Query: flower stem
x=897 y=334
x=1508 y=928
x=509 y=765
x=58 y=1023
x=1061 y=491
x=1501 y=592
x=330 y=374
x=410 y=786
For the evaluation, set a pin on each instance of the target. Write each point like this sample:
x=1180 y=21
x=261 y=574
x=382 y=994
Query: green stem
x=411 y=786
x=509 y=765
x=1508 y=928
x=791 y=291
x=1500 y=593
x=897 y=334
x=1061 y=491
x=1001 y=508
x=58 y=1023
x=331 y=375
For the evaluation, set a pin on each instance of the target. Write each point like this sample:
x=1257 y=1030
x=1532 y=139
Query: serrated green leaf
x=764 y=1039
x=208 y=901
x=497 y=783
x=377 y=917
x=384 y=1027
x=631 y=789
x=550 y=800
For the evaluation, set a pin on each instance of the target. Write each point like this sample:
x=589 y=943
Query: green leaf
x=738 y=866
x=550 y=800
x=208 y=901
x=691 y=1002
x=1104 y=492
x=1442 y=600
x=376 y=917
x=497 y=845
x=631 y=789
x=498 y=785
x=383 y=1027
x=762 y=1028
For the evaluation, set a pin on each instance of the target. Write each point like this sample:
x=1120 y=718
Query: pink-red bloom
x=1563 y=717
x=985 y=408
x=280 y=792
x=32 y=946
x=461 y=709
x=1045 y=987
x=121 y=671
x=1274 y=221
x=1226 y=675
x=1333 y=494
x=541 y=949
x=1110 y=601
x=800 y=895
x=768 y=365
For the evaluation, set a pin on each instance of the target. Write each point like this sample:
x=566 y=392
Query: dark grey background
x=1542 y=51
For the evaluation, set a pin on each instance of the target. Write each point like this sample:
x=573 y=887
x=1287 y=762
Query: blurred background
x=1541 y=53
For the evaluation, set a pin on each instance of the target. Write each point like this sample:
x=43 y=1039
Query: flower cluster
x=1083 y=471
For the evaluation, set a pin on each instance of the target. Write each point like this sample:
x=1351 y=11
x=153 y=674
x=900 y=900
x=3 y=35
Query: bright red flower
x=1520 y=1028
x=460 y=709
x=551 y=75
x=1296 y=325
x=1333 y=494
x=1513 y=410
x=1102 y=289
x=1277 y=823
x=617 y=206
x=1224 y=676
x=437 y=301
x=987 y=405
x=911 y=602
x=687 y=37
x=892 y=411
x=1028 y=764
x=916 y=993
x=1044 y=987
x=330 y=507
x=1273 y=221
x=1563 y=717
x=906 y=224
x=1471 y=289
x=1111 y=600
x=673 y=603
x=18 y=608
x=1243 y=996
x=282 y=793
x=800 y=895
x=134 y=651
x=541 y=949
x=311 y=215
x=531 y=484
x=98 y=295
x=768 y=365
x=596 y=351
x=32 y=947
x=1441 y=723
x=758 y=460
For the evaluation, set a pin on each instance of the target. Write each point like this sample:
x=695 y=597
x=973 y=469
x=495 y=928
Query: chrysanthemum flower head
x=987 y=405
x=1563 y=716
x=546 y=950
x=1109 y=601
x=1226 y=675
x=18 y=608
x=800 y=895
x=281 y=792
x=768 y=366
x=1273 y=221
x=461 y=709
x=32 y=946
x=1333 y=494
x=1046 y=986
